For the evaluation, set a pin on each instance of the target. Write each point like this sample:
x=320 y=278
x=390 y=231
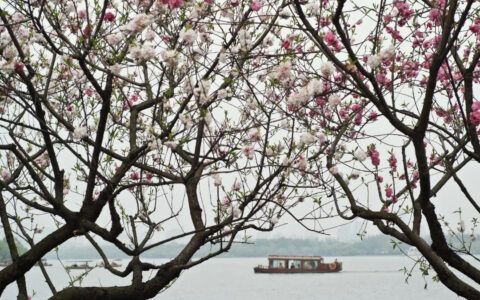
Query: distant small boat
x=84 y=266
x=113 y=264
x=298 y=264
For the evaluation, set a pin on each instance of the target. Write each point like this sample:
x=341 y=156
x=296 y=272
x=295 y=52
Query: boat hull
x=322 y=268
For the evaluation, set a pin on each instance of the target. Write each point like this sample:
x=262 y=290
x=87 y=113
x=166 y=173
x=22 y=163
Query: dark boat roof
x=294 y=257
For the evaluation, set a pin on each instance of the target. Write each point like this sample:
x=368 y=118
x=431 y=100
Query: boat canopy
x=284 y=257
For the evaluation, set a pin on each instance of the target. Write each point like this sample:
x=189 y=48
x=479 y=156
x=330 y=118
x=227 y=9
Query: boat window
x=295 y=264
x=277 y=263
x=310 y=264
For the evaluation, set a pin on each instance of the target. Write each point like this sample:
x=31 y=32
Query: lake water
x=363 y=277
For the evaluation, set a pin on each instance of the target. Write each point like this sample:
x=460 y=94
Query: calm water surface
x=363 y=277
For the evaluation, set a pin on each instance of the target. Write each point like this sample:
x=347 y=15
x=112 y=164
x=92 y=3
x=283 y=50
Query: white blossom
x=274 y=220
x=355 y=174
x=236 y=186
x=286 y=161
x=314 y=87
x=142 y=53
x=307 y=139
x=235 y=211
x=188 y=36
x=171 y=144
x=387 y=53
x=139 y=23
x=254 y=135
x=169 y=56
x=154 y=144
x=80 y=132
x=114 y=39
x=217 y=180
x=222 y=57
x=269 y=152
x=360 y=155
x=187 y=121
x=333 y=170
x=461 y=226
x=321 y=138
x=249 y=151
x=327 y=69
x=115 y=69
x=334 y=100
x=374 y=61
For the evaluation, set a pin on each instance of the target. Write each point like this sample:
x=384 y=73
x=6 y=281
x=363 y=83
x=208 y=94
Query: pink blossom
x=149 y=176
x=286 y=44
x=5 y=175
x=301 y=163
x=355 y=107
x=87 y=30
x=435 y=160
x=18 y=67
x=135 y=176
x=388 y=191
x=416 y=175
x=82 y=14
x=387 y=18
x=109 y=16
x=320 y=101
x=256 y=5
x=374 y=155
x=88 y=92
x=343 y=112
x=392 y=160
x=475 y=117
x=130 y=102
x=476 y=106
x=358 y=118
x=475 y=27
x=394 y=33
x=248 y=151
x=331 y=40
x=382 y=79
x=435 y=16
x=174 y=4
x=254 y=135
x=404 y=11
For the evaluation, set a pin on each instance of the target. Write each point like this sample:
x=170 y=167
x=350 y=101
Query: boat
x=113 y=264
x=298 y=264
x=75 y=266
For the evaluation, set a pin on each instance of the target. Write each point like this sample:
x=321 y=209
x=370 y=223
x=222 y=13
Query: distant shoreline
x=378 y=245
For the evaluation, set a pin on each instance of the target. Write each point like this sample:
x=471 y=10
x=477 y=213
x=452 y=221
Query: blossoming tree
x=122 y=121
x=400 y=119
